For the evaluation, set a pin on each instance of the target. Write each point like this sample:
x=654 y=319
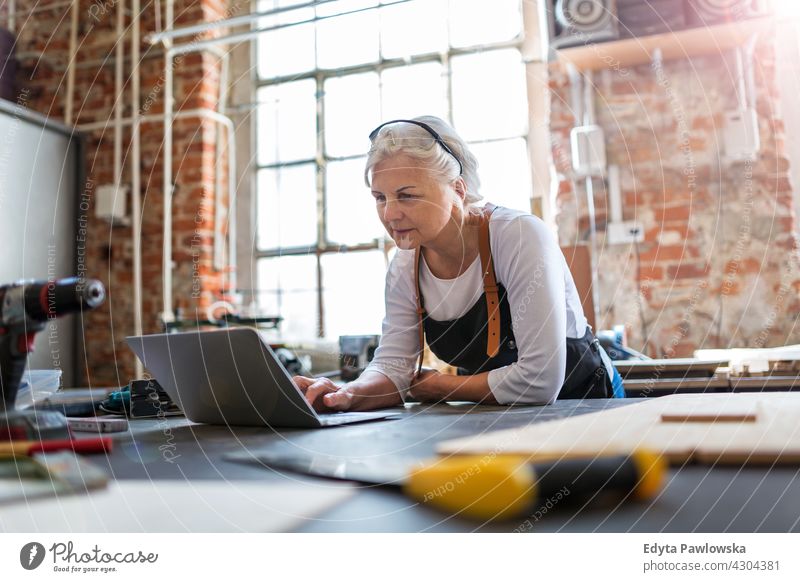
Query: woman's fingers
x=315 y=392
x=339 y=400
x=322 y=394
x=303 y=383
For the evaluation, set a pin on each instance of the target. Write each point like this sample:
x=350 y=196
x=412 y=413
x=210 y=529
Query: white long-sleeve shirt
x=545 y=309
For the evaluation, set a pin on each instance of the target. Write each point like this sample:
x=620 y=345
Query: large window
x=328 y=73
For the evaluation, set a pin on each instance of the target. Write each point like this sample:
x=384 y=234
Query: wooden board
x=758 y=383
x=650 y=385
x=669 y=368
x=731 y=410
x=773 y=438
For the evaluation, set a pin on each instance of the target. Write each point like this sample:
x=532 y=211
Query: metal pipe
x=158 y=15
x=749 y=78
x=593 y=258
x=156 y=117
x=12 y=15
x=741 y=91
x=322 y=233
x=167 y=314
x=136 y=177
x=233 y=277
x=218 y=206
x=37 y=8
x=73 y=52
x=59 y=63
x=191 y=47
x=589 y=119
x=118 y=80
x=229 y=22
x=231 y=134
x=588 y=99
x=614 y=194
x=575 y=90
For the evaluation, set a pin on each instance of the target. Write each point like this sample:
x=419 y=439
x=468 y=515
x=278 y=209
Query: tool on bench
x=140 y=399
x=25 y=308
x=91 y=445
x=491 y=487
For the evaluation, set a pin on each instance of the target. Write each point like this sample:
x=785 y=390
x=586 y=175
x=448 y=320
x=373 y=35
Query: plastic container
x=37 y=385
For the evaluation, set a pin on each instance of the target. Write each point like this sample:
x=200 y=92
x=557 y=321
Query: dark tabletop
x=695 y=498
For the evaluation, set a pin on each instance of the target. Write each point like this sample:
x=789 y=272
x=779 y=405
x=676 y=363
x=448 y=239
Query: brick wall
x=719 y=263
x=43 y=48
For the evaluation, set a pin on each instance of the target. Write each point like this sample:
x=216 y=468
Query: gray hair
x=414 y=141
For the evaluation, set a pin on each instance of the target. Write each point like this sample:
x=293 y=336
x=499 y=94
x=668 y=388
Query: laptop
x=232 y=377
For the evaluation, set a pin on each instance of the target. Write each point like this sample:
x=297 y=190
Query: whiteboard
x=39 y=199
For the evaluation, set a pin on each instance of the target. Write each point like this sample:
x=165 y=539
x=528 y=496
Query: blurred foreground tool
x=490 y=487
x=89 y=446
x=509 y=487
x=143 y=398
x=25 y=308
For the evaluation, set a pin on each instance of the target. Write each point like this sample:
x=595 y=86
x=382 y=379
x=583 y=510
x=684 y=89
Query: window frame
x=322 y=159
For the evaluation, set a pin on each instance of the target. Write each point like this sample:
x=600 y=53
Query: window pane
x=347 y=40
x=333 y=8
x=286 y=51
x=265 y=5
x=475 y=23
x=414 y=28
x=287 y=288
x=489 y=95
x=351 y=112
x=353 y=309
x=412 y=91
x=504 y=169
x=287 y=207
x=287 y=122
x=350 y=207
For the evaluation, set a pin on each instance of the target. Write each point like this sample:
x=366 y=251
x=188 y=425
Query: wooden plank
x=728 y=411
x=774 y=437
x=751 y=383
x=661 y=384
x=670 y=367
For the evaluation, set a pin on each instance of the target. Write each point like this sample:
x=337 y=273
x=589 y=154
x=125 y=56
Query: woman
x=488 y=286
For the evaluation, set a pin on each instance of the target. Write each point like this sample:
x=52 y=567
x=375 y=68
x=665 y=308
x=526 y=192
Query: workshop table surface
x=695 y=498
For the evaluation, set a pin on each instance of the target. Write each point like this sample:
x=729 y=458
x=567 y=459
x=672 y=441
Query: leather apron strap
x=420 y=310
x=489 y=287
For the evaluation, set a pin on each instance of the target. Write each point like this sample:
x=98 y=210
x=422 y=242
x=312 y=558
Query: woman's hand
x=431 y=386
x=324 y=395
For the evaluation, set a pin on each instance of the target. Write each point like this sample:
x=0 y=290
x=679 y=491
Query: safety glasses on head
x=427 y=128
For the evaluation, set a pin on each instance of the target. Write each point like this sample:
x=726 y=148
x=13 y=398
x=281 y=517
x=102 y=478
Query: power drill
x=25 y=308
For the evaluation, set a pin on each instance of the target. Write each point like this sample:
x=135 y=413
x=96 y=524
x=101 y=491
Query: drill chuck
x=43 y=300
x=25 y=307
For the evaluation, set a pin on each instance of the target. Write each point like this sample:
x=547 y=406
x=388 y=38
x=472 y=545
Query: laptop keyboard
x=348 y=417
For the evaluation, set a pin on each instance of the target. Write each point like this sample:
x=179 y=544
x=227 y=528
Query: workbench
x=694 y=499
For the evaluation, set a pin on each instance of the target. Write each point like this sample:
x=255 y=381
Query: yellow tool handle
x=506 y=487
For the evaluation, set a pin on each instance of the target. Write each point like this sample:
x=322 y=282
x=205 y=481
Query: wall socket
x=626 y=232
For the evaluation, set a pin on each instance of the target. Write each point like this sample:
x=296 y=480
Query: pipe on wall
x=118 y=80
x=219 y=208
x=219 y=118
x=73 y=52
x=136 y=176
x=167 y=315
x=229 y=22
